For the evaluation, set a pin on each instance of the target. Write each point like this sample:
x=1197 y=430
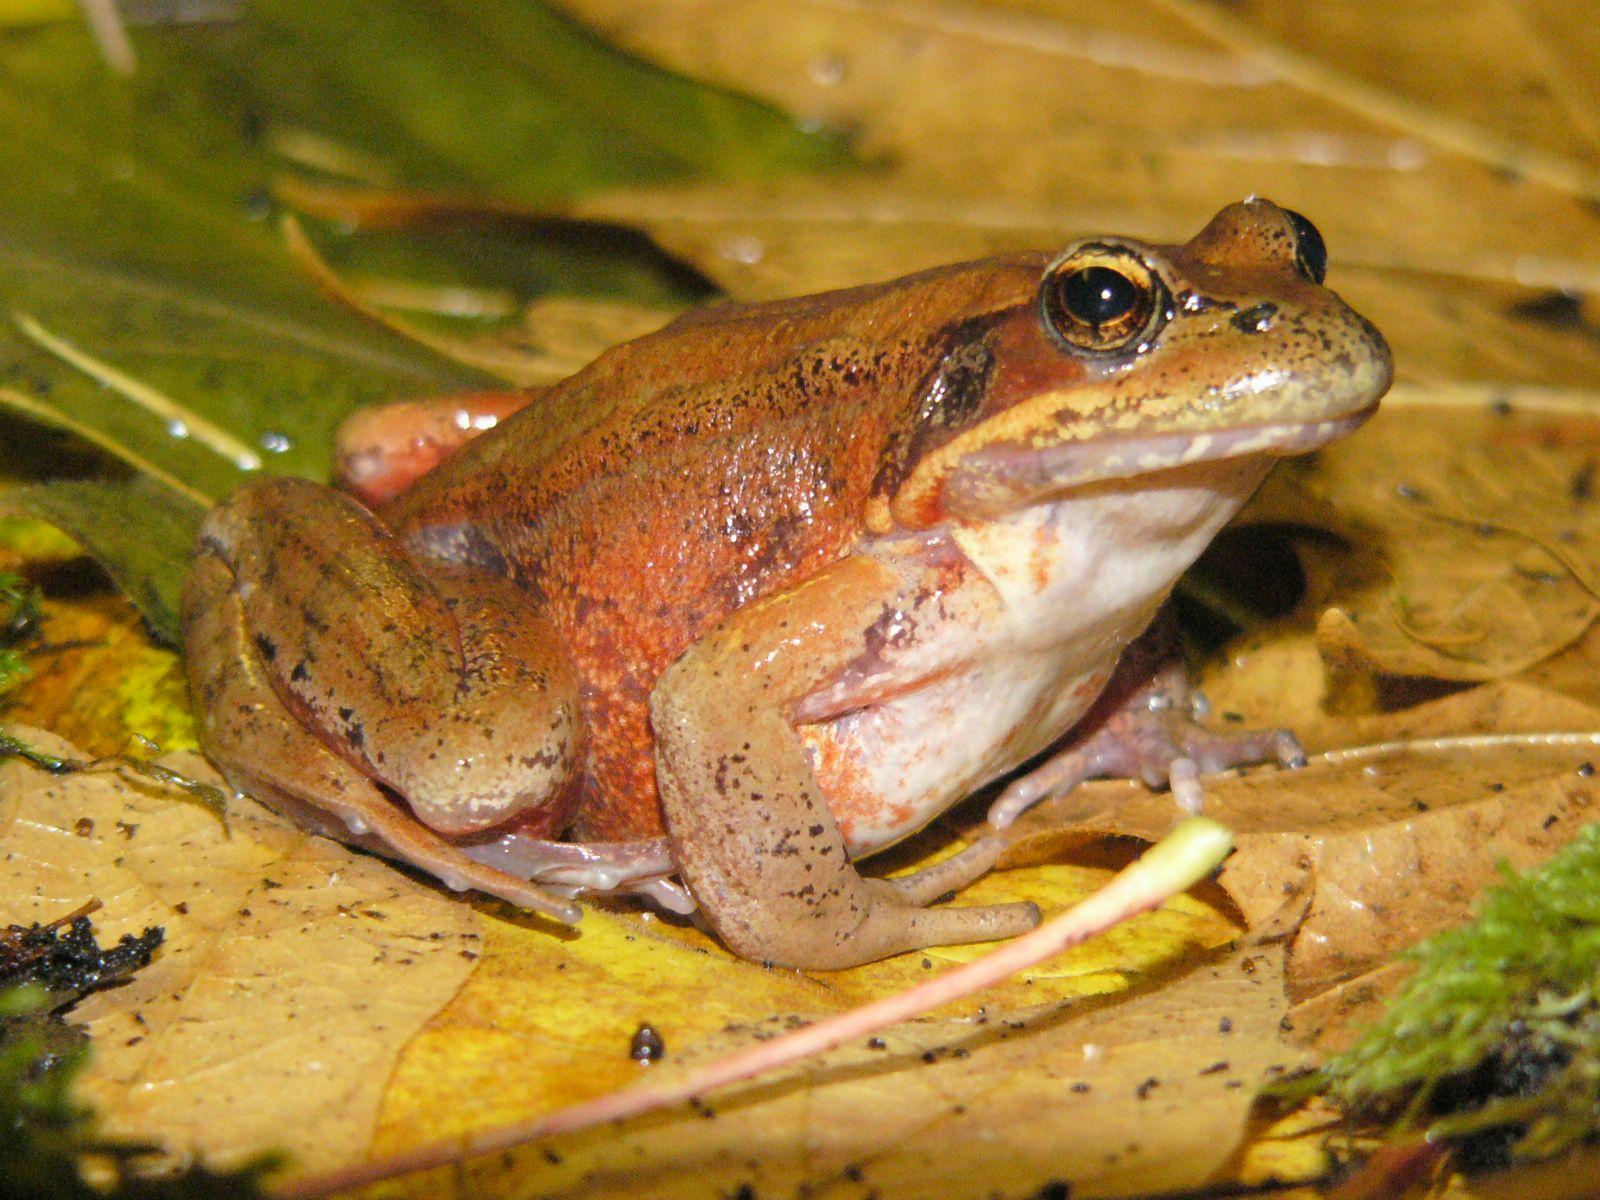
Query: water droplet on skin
x=276 y=443
x=355 y=825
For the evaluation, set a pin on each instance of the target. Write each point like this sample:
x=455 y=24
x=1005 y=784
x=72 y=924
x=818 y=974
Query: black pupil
x=1098 y=295
x=1311 y=252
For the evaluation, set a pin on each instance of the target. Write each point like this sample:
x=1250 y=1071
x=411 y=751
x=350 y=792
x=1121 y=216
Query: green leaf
x=137 y=241
x=142 y=532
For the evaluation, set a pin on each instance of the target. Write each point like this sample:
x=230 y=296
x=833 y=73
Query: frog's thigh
x=263 y=750
x=750 y=829
x=434 y=679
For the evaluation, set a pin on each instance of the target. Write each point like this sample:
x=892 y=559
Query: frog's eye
x=1102 y=299
x=1310 y=251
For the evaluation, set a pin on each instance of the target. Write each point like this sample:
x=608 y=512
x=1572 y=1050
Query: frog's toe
x=588 y=866
x=893 y=927
x=1213 y=751
x=948 y=875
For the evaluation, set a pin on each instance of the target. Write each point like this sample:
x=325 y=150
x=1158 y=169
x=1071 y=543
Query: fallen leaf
x=1490 y=570
x=1165 y=1075
x=967 y=100
x=1390 y=843
x=292 y=974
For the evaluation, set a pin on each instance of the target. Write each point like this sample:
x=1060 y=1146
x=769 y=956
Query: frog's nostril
x=1311 y=252
x=1256 y=319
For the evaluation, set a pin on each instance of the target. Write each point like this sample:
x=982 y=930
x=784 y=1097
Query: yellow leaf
x=292 y=973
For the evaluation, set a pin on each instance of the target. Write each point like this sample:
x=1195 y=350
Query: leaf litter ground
x=1465 y=293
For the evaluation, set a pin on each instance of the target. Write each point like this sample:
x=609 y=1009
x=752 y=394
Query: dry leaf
x=1391 y=844
x=961 y=1108
x=1170 y=107
x=292 y=974
x=1491 y=569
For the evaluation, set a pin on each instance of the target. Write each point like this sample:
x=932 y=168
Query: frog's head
x=1130 y=359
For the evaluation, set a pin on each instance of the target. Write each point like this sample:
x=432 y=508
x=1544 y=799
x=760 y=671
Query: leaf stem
x=111 y=35
x=1187 y=855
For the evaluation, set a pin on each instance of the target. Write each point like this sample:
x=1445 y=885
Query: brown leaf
x=1013 y=124
x=292 y=974
x=1162 y=128
x=1489 y=570
x=1391 y=843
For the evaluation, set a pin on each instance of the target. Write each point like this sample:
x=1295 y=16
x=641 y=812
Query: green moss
x=1494 y=1043
x=19 y=616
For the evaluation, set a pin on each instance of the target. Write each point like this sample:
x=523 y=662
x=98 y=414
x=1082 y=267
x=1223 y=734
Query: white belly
x=890 y=769
x=1066 y=587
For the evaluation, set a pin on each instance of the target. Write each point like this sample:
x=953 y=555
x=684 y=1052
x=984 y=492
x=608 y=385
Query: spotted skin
x=778 y=582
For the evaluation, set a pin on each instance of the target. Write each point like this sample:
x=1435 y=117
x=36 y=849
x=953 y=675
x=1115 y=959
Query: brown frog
x=765 y=591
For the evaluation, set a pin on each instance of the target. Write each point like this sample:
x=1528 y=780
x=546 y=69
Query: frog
x=755 y=596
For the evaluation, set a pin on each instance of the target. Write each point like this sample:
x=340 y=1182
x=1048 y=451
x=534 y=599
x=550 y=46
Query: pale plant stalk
x=1189 y=854
x=207 y=433
x=111 y=34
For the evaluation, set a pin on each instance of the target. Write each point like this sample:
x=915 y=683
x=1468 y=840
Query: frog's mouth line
x=999 y=479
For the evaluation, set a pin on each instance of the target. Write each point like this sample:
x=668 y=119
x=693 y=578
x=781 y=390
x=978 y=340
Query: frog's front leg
x=334 y=671
x=750 y=829
x=1145 y=726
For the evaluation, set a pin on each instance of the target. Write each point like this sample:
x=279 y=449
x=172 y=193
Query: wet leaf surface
x=1446 y=551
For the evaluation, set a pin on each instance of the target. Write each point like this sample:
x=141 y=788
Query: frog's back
x=735 y=365
x=787 y=406
x=684 y=475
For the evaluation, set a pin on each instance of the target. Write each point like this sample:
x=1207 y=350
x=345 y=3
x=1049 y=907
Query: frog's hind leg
x=641 y=867
x=750 y=829
x=265 y=752
x=424 y=678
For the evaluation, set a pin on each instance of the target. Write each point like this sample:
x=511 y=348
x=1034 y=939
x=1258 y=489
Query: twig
x=1187 y=855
